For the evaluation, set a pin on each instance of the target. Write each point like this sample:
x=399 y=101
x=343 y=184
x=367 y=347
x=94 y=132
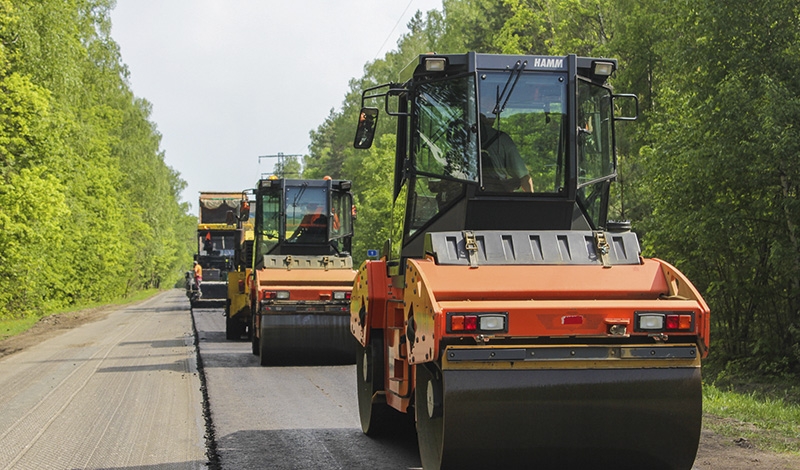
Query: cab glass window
x=268 y=221
x=341 y=214
x=596 y=164
x=445 y=141
x=445 y=146
x=306 y=215
x=522 y=125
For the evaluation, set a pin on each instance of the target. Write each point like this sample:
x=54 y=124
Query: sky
x=232 y=80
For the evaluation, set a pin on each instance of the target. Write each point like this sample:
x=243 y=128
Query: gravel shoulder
x=114 y=387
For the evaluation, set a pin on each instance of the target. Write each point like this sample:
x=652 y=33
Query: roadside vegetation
x=761 y=418
x=89 y=211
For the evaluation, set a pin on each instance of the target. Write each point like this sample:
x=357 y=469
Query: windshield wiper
x=299 y=194
x=294 y=202
x=518 y=68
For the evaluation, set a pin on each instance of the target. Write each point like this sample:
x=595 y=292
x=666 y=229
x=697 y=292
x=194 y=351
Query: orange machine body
x=304 y=285
x=543 y=305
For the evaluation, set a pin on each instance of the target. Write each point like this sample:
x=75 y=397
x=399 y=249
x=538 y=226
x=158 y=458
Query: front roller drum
x=558 y=419
x=306 y=339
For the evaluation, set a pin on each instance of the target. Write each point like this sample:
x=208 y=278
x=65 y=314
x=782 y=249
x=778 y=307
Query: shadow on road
x=195 y=464
x=177 y=366
x=161 y=343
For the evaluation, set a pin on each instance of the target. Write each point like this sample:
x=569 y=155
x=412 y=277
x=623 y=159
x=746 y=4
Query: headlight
x=341 y=295
x=651 y=321
x=492 y=323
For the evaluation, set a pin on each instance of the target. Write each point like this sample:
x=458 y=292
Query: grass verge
x=13 y=326
x=767 y=422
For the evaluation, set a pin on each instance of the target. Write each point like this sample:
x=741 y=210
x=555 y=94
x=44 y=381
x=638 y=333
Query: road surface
x=122 y=392
x=288 y=417
x=125 y=392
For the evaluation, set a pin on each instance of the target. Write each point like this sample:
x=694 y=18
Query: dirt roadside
x=53 y=325
x=716 y=452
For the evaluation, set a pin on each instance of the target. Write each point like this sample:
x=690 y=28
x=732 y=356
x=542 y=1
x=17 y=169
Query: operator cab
x=491 y=142
x=303 y=217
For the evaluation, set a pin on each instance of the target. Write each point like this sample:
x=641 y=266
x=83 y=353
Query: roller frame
x=604 y=431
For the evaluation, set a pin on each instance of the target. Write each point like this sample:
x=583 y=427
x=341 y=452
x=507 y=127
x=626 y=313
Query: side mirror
x=367 y=122
x=621 y=97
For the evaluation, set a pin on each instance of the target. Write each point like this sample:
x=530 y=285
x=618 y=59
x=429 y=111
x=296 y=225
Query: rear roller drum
x=306 y=339
x=234 y=328
x=376 y=415
x=558 y=418
x=428 y=397
x=265 y=356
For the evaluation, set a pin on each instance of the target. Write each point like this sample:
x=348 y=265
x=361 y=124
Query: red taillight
x=463 y=323
x=475 y=322
x=268 y=294
x=679 y=322
x=672 y=322
x=470 y=322
x=572 y=320
x=341 y=295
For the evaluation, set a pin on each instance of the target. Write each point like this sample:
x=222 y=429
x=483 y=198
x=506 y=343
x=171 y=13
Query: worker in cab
x=502 y=166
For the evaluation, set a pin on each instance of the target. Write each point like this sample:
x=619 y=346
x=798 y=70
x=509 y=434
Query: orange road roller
x=519 y=326
x=302 y=274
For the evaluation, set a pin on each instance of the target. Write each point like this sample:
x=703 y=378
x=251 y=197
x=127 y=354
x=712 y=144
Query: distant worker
x=198 y=277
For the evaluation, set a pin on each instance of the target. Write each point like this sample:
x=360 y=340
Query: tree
x=88 y=209
x=724 y=169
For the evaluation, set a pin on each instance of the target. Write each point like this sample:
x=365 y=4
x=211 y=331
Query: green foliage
x=88 y=209
x=709 y=175
x=724 y=167
x=374 y=196
x=289 y=168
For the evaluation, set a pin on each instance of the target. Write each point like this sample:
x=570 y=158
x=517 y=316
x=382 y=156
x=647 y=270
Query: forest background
x=709 y=175
x=89 y=211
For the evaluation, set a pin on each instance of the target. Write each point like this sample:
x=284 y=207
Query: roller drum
x=559 y=419
x=306 y=338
